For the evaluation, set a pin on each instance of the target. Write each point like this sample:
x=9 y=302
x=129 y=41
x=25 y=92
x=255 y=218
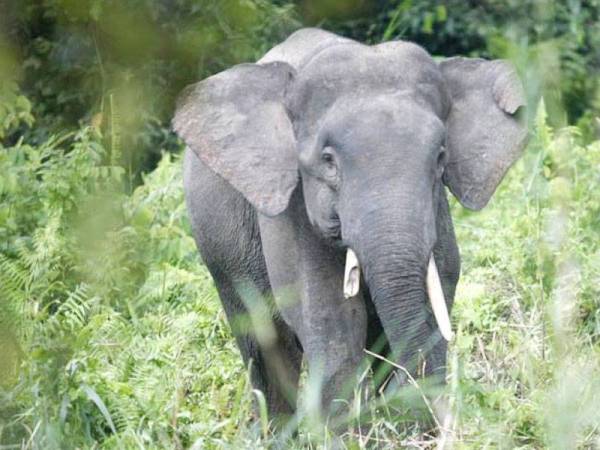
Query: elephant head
x=370 y=134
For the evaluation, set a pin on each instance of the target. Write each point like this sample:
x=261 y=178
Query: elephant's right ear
x=486 y=135
x=237 y=124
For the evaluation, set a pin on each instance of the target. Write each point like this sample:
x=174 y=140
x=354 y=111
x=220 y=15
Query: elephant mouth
x=434 y=290
x=333 y=228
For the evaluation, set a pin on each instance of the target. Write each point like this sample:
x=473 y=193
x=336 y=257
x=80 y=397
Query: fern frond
x=13 y=287
x=76 y=307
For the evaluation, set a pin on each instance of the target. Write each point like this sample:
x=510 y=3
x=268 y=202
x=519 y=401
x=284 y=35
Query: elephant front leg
x=307 y=280
x=331 y=329
x=333 y=335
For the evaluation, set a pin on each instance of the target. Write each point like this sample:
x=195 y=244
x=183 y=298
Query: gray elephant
x=315 y=184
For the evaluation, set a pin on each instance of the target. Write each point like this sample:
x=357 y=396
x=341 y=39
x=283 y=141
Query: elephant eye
x=327 y=157
x=329 y=166
x=442 y=159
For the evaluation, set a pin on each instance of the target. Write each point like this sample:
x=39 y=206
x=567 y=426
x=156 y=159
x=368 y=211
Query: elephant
x=315 y=181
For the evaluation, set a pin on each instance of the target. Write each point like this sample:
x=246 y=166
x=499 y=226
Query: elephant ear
x=484 y=134
x=237 y=124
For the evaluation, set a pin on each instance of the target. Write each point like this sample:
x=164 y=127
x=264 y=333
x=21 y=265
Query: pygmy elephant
x=315 y=184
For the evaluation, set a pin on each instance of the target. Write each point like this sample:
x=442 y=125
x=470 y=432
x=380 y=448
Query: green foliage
x=527 y=357
x=14 y=109
x=103 y=305
x=89 y=61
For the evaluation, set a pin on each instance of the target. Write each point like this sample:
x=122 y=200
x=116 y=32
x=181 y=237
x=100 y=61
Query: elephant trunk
x=395 y=276
x=398 y=267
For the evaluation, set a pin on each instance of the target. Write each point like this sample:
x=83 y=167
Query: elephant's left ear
x=485 y=135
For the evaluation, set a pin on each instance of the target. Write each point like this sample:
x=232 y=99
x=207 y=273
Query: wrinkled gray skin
x=326 y=144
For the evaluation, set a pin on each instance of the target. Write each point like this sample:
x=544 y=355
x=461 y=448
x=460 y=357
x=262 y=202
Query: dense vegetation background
x=111 y=334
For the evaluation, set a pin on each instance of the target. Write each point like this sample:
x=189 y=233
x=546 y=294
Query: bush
x=111 y=330
x=120 y=65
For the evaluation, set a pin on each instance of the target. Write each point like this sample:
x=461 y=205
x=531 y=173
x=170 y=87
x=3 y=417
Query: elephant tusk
x=351 y=275
x=438 y=303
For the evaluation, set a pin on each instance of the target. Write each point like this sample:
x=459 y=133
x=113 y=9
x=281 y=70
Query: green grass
x=113 y=337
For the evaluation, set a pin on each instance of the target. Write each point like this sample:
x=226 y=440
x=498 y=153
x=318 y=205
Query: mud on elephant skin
x=316 y=184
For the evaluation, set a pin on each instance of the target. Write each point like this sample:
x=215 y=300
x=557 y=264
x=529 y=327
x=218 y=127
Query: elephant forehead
x=362 y=71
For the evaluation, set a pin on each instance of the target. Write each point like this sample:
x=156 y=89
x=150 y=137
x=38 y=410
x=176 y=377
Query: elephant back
x=298 y=49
